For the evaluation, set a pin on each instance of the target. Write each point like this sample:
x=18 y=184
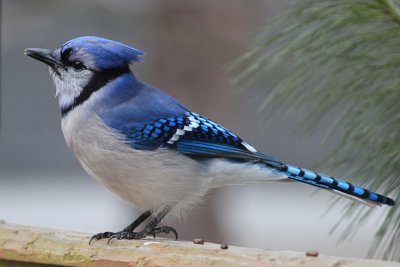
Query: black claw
x=91 y=239
x=100 y=236
x=175 y=233
x=111 y=238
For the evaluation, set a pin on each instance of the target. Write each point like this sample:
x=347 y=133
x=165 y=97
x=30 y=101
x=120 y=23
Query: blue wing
x=195 y=136
x=148 y=119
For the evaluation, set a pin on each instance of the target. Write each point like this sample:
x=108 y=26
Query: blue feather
x=330 y=183
x=128 y=105
x=106 y=54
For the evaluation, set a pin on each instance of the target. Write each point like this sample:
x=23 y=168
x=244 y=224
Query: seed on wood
x=224 y=246
x=198 y=241
x=312 y=253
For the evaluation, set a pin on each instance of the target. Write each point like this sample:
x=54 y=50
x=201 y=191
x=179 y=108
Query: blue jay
x=148 y=148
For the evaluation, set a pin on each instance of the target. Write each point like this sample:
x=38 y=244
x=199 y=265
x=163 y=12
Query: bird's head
x=83 y=65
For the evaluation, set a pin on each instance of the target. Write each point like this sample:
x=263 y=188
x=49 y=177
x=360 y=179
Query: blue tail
x=330 y=183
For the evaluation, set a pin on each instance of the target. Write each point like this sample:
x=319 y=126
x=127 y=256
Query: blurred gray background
x=188 y=45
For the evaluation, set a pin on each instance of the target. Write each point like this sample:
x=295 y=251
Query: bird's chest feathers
x=100 y=150
x=89 y=138
x=132 y=174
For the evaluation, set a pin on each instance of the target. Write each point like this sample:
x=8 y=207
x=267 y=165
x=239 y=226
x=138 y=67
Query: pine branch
x=344 y=57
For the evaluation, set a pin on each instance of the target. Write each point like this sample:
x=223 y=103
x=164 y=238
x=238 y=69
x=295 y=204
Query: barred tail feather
x=337 y=186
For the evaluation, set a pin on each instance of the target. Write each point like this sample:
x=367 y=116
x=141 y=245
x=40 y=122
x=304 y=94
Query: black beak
x=44 y=55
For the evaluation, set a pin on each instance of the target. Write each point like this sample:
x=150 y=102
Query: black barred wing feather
x=194 y=135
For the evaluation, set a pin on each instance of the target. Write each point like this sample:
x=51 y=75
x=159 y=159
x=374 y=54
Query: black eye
x=78 y=66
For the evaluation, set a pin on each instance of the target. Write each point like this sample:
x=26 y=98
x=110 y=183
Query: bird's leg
x=151 y=228
x=129 y=228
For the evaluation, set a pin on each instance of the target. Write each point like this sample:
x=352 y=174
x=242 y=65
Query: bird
x=150 y=149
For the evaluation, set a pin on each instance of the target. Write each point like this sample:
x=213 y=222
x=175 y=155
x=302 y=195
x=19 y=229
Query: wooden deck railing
x=20 y=245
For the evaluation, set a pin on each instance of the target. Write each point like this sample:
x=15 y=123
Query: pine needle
x=340 y=56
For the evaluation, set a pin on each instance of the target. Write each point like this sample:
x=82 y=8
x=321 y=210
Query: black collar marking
x=98 y=80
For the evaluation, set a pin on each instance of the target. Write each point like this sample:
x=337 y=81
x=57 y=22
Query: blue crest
x=106 y=54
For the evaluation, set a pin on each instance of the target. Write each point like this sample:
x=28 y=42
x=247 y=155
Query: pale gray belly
x=146 y=179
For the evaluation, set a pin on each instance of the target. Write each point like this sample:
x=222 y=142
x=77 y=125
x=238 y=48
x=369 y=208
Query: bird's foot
x=142 y=234
x=128 y=235
x=165 y=230
x=150 y=229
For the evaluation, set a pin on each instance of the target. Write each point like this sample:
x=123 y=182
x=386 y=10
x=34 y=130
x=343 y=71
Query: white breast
x=146 y=179
x=149 y=179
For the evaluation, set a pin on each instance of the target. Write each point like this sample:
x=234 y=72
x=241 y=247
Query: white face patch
x=69 y=84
